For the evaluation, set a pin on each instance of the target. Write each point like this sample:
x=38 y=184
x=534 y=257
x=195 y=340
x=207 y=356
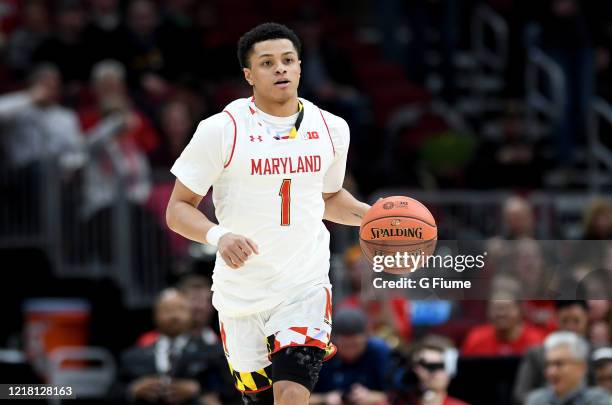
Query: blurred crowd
x=131 y=79
x=383 y=358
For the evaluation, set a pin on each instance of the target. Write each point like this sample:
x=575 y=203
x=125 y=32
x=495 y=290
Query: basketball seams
x=391 y=244
x=398 y=216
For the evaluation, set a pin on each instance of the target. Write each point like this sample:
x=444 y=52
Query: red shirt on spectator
x=143 y=134
x=453 y=401
x=541 y=314
x=483 y=341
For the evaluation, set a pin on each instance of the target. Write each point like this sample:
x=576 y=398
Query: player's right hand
x=236 y=249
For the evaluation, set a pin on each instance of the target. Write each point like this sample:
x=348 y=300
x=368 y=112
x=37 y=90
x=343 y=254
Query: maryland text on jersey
x=286 y=165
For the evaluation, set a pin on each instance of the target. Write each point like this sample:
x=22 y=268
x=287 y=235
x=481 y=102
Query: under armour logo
x=258 y=137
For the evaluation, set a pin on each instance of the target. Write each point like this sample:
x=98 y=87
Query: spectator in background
x=24 y=41
x=34 y=126
x=177 y=127
x=506 y=335
x=531 y=269
x=357 y=374
x=143 y=54
x=518 y=219
x=103 y=31
x=599 y=321
x=597 y=222
x=125 y=136
x=602 y=364
x=537 y=282
x=427 y=377
x=105 y=15
x=572 y=316
x=517 y=223
x=566 y=356
x=67 y=47
x=175 y=369
x=196 y=289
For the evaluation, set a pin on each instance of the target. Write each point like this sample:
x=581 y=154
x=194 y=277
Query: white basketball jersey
x=269 y=190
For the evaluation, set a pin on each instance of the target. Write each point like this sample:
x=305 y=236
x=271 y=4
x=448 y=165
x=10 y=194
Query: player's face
x=274 y=70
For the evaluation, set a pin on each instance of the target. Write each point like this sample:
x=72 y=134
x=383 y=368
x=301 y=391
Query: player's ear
x=247 y=75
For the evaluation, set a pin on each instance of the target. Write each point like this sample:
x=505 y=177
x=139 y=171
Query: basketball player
x=276 y=163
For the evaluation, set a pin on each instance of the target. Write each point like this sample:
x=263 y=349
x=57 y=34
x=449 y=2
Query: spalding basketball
x=398 y=224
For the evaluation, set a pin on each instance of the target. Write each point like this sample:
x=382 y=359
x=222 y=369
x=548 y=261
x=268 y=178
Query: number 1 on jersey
x=285 y=194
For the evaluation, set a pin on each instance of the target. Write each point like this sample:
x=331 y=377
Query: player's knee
x=265 y=397
x=299 y=365
x=289 y=392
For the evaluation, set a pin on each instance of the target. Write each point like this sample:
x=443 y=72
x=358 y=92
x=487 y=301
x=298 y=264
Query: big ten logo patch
x=311 y=135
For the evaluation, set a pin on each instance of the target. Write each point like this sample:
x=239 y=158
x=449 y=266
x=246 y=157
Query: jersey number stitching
x=285 y=194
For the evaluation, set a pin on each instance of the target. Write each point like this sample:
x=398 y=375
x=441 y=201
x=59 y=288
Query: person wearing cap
x=602 y=363
x=566 y=356
x=357 y=374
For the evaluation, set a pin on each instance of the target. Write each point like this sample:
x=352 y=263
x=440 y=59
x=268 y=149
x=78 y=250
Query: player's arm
x=198 y=167
x=183 y=215
x=341 y=207
x=184 y=218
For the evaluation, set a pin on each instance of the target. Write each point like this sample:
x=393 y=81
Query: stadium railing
x=44 y=209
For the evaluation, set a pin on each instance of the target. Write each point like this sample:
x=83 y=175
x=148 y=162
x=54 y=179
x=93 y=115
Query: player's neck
x=284 y=109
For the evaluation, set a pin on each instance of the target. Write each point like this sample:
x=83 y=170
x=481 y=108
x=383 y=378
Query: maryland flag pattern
x=252 y=381
x=255 y=381
x=306 y=336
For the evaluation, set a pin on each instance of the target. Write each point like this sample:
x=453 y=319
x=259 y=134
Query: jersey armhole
x=328 y=133
x=226 y=165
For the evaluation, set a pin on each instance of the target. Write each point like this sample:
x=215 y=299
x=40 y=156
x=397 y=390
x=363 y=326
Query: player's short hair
x=265 y=32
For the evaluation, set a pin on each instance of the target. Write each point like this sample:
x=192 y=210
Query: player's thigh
x=303 y=321
x=244 y=344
